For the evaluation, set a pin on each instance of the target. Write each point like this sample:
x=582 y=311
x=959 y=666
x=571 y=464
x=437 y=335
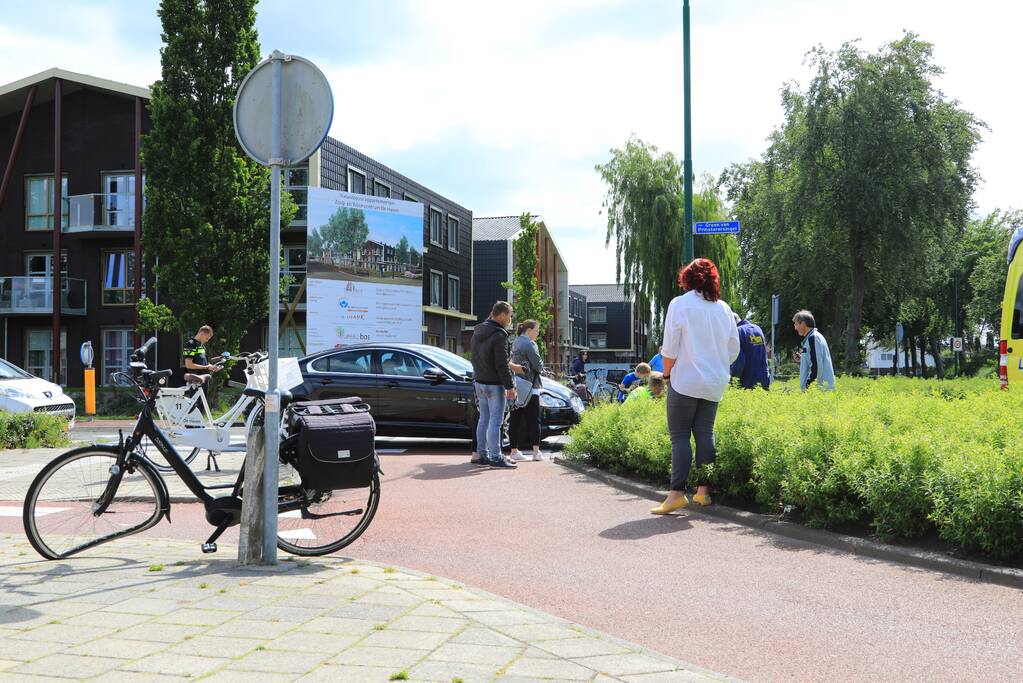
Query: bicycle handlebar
x=141 y=352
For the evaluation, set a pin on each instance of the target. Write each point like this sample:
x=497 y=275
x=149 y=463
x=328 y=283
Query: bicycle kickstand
x=210 y=546
x=211 y=457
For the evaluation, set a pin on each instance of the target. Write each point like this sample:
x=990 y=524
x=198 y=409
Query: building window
x=380 y=189
x=119 y=199
x=452 y=345
x=408 y=198
x=436 y=289
x=598 y=315
x=39 y=202
x=117 y=348
x=295 y=268
x=436 y=227
x=118 y=278
x=454 y=284
x=433 y=340
x=356 y=181
x=453 y=234
x=296 y=183
x=598 y=340
x=39 y=354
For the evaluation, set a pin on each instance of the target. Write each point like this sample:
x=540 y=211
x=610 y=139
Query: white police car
x=21 y=392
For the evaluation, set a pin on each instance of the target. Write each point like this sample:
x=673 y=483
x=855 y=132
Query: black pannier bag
x=334 y=440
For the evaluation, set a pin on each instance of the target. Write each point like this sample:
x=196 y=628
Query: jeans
x=688 y=416
x=488 y=431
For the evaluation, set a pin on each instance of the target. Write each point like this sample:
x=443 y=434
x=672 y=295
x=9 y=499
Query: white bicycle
x=184 y=415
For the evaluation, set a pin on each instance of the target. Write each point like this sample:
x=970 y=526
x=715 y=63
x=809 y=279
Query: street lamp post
x=687 y=161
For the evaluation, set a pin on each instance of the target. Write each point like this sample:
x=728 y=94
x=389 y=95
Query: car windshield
x=446 y=359
x=8 y=371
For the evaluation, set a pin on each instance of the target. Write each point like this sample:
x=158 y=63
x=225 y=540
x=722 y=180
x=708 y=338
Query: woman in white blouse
x=700 y=343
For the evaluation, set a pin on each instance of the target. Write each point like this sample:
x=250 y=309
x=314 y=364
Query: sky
x=506 y=107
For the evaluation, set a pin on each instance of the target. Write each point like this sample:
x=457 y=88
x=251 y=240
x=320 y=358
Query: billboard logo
x=343 y=303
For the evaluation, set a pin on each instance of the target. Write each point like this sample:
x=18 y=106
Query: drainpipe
x=138 y=215
x=58 y=208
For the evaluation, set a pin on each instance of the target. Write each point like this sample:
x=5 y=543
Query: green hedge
x=32 y=430
x=904 y=456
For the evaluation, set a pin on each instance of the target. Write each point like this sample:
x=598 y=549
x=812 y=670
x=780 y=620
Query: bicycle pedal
x=208 y=548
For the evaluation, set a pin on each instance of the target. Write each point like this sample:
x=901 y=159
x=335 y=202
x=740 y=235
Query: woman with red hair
x=700 y=343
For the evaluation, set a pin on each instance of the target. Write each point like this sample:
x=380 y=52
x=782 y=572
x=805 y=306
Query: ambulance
x=1010 y=348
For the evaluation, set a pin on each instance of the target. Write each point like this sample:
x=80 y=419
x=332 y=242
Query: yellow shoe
x=702 y=500
x=662 y=509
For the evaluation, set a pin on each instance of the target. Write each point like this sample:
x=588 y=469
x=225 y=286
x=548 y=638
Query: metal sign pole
x=272 y=414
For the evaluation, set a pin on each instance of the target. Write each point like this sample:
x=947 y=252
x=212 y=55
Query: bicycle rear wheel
x=313 y=522
x=61 y=513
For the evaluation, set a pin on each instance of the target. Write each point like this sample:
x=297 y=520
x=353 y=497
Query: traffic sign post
x=900 y=331
x=281 y=116
x=716 y=228
x=775 y=319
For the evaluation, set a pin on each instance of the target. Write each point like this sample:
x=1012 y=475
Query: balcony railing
x=31 y=295
x=101 y=212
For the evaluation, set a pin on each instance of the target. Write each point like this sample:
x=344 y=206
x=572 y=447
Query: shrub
x=32 y=430
x=904 y=456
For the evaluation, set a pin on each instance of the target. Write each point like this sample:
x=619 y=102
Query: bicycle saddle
x=196 y=379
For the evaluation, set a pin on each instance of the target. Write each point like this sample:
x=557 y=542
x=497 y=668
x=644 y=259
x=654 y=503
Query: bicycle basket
x=335 y=443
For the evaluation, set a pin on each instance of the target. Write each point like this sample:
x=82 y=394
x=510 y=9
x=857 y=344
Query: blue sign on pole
x=716 y=228
x=775 y=309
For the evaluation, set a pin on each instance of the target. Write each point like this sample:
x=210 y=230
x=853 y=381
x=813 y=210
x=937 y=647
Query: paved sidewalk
x=159 y=611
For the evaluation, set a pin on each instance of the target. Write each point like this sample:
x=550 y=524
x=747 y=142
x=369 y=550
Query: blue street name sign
x=717 y=228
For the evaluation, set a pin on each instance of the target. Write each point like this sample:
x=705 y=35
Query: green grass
x=157 y=567
x=400 y=676
x=904 y=457
x=32 y=430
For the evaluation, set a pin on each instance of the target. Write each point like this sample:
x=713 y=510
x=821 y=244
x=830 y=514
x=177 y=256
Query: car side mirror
x=434 y=375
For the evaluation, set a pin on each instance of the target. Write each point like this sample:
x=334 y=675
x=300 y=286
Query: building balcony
x=30 y=295
x=100 y=214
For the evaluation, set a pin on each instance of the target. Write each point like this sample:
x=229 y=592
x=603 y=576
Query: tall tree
x=207 y=204
x=866 y=183
x=645 y=215
x=346 y=231
x=530 y=301
x=401 y=252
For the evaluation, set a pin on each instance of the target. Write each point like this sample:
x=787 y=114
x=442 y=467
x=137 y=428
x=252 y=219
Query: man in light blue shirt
x=815 y=357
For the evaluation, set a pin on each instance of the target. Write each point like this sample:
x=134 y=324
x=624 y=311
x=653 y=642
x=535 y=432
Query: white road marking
x=15 y=511
x=298 y=534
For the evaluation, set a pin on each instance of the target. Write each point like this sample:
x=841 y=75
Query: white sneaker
x=517 y=457
x=539 y=457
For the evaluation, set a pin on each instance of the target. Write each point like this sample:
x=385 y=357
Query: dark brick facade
x=489 y=270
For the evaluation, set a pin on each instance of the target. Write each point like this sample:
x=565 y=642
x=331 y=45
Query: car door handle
x=392 y=384
x=461 y=401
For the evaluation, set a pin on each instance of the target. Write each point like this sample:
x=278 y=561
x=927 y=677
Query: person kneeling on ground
x=653 y=389
x=632 y=380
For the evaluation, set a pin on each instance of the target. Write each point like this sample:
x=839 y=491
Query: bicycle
x=96 y=494
x=603 y=391
x=187 y=419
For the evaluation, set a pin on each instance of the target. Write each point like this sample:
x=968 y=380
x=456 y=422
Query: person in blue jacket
x=657 y=362
x=814 y=358
x=751 y=365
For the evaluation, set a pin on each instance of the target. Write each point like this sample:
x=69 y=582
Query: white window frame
x=600 y=336
x=408 y=197
x=458 y=291
x=439 y=301
x=387 y=186
x=293 y=189
x=129 y=291
x=126 y=349
x=447 y=230
x=590 y=315
x=46 y=178
x=352 y=170
x=441 y=226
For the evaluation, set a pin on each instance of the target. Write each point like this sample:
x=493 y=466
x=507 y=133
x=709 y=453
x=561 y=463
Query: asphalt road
x=725 y=597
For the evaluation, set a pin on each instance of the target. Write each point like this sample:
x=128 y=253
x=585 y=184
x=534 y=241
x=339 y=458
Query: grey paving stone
x=581 y=647
x=430 y=624
x=380 y=597
x=448 y=671
x=363 y=611
x=9 y=663
x=538 y=632
x=308 y=641
x=675 y=677
x=475 y=654
x=342 y=625
x=531 y=667
x=196 y=617
x=63 y=633
x=509 y=618
x=430 y=609
x=174 y=664
x=278 y=661
x=162 y=633
x=359 y=674
x=285 y=613
x=394 y=658
x=116 y=648
x=27 y=650
x=484 y=636
x=212 y=646
x=140 y=605
x=69 y=666
x=625 y=664
x=475 y=605
x=412 y=640
x=245 y=628
x=106 y=619
x=229 y=676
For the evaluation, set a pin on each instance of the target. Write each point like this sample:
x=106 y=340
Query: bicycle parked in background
x=96 y=494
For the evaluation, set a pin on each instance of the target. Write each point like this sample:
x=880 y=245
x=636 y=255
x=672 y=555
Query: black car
x=416 y=390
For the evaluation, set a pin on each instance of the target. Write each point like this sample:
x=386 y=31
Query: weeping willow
x=645 y=214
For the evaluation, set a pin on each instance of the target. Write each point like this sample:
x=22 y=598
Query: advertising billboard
x=365 y=270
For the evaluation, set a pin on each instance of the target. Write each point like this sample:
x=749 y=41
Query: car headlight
x=549 y=401
x=577 y=404
x=13 y=392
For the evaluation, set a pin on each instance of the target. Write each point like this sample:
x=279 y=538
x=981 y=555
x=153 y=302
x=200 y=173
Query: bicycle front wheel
x=311 y=522
x=62 y=515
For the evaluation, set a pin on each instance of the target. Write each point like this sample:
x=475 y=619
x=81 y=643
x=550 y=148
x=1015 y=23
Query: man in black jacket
x=492 y=380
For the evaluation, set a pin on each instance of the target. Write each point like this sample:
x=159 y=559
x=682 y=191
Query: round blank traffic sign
x=307 y=108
